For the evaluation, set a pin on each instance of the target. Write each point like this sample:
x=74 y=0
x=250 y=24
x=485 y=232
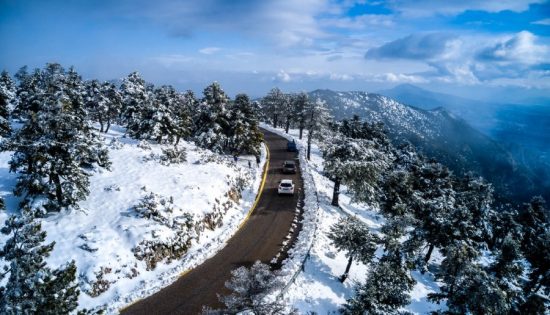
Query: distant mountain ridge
x=441 y=135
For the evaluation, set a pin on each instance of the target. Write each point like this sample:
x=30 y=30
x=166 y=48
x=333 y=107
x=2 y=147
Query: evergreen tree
x=385 y=291
x=535 y=244
x=468 y=288
x=103 y=103
x=507 y=270
x=212 y=120
x=7 y=94
x=287 y=110
x=158 y=120
x=251 y=289
x=272 y=105
x=356 y=163
x=353 y=237
x=32 y=287
x=183 y=106
x=318 y=119
x=134 y=99
x=299 y=110
x=245 y=135
x=28 y=92
x=432 y=206
x=113 y=107
x=56 y=146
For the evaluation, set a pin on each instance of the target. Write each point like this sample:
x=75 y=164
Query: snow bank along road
x=260 y=238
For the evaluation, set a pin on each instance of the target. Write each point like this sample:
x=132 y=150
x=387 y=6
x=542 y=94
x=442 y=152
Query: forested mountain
x=442 y=136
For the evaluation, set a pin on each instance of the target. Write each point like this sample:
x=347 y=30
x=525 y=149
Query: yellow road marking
x=266 y=168
x=262 y=184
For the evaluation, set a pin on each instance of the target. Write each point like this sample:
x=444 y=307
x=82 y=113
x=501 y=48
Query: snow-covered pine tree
x=356 y=163
x=352 y=236
x=467 y=287
x=534 y=218
x=102 y=102
x=385 y=291
x=272 y=104
x=158 y=120
x=7 y=94
x=95 y=102
x=507 y=269
x=318 y=119
x=28 y=92
x=56 y=146
x=182 y=111
x=32 y=287
x=212 y=121
x=245 y=135
x=300 y=104
x=134 y=98
x=432 y=205
x=473 y=202
x=251 y=288
x=113 y=105
x=287 y=110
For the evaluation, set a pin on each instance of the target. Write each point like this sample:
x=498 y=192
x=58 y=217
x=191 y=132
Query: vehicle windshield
x=286 y=185
x=289 y=164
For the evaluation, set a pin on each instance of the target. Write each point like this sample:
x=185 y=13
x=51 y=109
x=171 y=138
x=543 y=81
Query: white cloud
x=402 y=78
x=282 y=76
x=209 y=50
x=340 y=77
x=520 y=48
x=542 y=22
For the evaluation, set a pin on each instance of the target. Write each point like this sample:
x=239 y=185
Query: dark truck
x=291 y=146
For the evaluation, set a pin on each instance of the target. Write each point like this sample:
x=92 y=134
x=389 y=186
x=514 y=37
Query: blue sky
x=473 y=48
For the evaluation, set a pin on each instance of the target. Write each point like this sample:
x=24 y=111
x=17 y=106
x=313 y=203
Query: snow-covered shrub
x=100 y=284
x=157 y=250
x=173 y=156
x=115 y=144
x=214 y=219
x=155 y=207
x=112 y=187
x=144 y=144
x=169 y=156
x=162 y=209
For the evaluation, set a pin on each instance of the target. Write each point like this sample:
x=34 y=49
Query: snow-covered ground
x=317 y=289
x=102 y=235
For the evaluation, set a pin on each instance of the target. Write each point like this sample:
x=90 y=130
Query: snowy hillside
x=440 y=135
x=317 y=288
x=145 y=220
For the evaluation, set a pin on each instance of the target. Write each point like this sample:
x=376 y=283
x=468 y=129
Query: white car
x=286 y=187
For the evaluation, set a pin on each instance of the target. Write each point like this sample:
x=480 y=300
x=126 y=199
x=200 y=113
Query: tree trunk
x=301 y=131
x=429 y=253
x=345 y=275
x=58 y=189
x=287 y=125
x=100 y=124
x=309 y=145
x=275 y=121
x=336 y=192
x=108 y=126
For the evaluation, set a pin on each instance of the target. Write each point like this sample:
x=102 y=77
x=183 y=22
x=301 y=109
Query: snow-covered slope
x=317 y=289
x=439 y=135
x=103 y=236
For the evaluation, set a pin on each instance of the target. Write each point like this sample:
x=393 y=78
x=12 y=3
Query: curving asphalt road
x=260 y=238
